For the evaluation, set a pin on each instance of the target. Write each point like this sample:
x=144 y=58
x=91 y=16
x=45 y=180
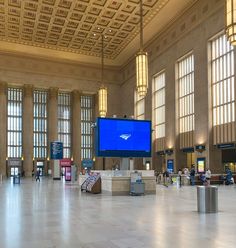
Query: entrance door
x=14 y=171
x=63 y=171
x=40 y=167
x=229 y=159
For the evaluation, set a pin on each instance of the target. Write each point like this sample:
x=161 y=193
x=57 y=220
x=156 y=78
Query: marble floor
x=51 y=214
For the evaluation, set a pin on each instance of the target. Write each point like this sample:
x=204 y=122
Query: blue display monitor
x=123 y=138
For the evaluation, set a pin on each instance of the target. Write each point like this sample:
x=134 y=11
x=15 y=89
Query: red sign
x=65 y=162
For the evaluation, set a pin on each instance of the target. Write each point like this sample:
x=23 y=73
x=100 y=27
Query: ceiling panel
x=70 y=25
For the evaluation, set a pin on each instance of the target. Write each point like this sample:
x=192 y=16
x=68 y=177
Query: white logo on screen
x=125 y=136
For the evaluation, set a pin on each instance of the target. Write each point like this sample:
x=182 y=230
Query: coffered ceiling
x=71 y=29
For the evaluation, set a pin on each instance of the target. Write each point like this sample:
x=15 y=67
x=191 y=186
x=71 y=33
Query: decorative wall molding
x=54 y=69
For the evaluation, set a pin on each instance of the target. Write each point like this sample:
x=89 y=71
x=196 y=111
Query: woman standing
x=208 y=176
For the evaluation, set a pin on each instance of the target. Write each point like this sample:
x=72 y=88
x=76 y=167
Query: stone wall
x=190 y=32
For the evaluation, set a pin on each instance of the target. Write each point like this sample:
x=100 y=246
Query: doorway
x=40 y=166
x=14 y=171
x=229 y=159
x=66 y=173
x=190 y=159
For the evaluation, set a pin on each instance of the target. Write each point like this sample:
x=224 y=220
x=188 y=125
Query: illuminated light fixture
x=230 y=14
x=141 y=62
x=102 y=93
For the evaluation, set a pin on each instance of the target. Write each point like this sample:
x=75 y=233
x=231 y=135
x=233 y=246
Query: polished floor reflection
x=53 y=214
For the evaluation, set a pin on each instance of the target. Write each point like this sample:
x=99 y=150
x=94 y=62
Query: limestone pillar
x=76 y=128
x=28 y=129
x=3 y=127
x=100 y=163
x=52 y=120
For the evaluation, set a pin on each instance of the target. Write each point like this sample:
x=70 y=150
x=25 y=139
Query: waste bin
x=137 y=188
x=207 y=199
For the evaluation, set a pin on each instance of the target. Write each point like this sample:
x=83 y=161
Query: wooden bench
x=213 y=181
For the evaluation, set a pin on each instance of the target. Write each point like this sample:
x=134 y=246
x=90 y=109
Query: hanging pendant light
x=230 y=14
x=141 y=63
x=102 y=95
x=102 y=92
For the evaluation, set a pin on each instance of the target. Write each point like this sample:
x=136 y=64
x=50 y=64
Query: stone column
x=52 y=120
x=100 y=163
x=28 y=129
x=76 y=128
x=3 y=127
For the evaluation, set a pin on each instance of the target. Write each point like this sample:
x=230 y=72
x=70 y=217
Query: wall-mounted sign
x=200 y=148
x=169 y=151
x=226 y=146
x=170 y=165
x=66 y=162
x=201 y=165
x=87 y=163
x=161 y=153
x=14 y=162
x=56 y=150
x=188 y=149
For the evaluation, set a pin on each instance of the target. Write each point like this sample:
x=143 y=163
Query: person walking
x=166 y=176
x=192 y=175
x=37 y=175
x=179 y=175
x=208 y=176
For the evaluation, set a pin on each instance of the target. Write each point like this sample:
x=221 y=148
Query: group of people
x=204 y=177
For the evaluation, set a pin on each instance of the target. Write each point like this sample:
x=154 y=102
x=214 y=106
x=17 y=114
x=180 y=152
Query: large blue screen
x=123 y=138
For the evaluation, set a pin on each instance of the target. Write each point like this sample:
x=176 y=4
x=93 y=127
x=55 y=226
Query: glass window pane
x=64 y=122
x=222 y=76
x=159 y=105
x=86 y=130
x=14 y=122
x=40 y=123
x=185 y=82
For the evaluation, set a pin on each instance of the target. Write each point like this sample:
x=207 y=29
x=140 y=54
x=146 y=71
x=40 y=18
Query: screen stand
x=124 y=165
x=56 y=169
x=104 y=163
x=131 y=164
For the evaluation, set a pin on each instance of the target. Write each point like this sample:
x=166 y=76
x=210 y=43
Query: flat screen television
x=123 y=137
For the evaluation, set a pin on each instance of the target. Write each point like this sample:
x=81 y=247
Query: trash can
x=207 y=199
